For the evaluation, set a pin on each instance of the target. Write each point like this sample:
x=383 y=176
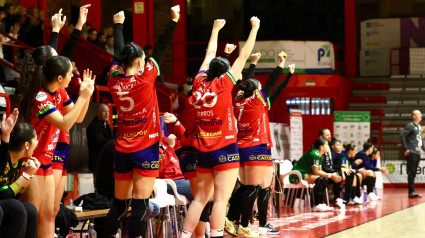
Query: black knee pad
x=118 y=209
x=139 y=209
x=263 y=195
x=205 y=215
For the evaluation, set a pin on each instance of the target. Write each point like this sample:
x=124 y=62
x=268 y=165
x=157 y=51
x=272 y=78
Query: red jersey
x=169 y=167
x=63 y=137
x=137 y=106
x=187 y=130
x=44 y=104
x=214 y=111
x=251 y=118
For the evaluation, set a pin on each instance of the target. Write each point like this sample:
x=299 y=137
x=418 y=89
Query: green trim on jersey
x=231 y=77
x=115 y=73
x=45 y=110
x=156 y=65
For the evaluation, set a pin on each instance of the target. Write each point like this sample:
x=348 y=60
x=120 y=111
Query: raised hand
x=119 y=17
x=291 y=68
x=229 y=48
x=175 y=13
x=57 y=21
x=82 y=18
x=8 y=124
x=255 y=22
x=219 y=23
x=255 y=58
x=169 y=118
x=87 y=85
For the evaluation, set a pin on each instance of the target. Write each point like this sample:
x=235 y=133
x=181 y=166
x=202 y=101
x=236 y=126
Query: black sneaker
x=268 y=229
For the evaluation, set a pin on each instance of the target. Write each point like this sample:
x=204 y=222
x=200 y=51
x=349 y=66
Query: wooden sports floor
x=394 y=216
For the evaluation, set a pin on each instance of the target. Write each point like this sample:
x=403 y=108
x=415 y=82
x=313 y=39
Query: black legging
x=19 y=219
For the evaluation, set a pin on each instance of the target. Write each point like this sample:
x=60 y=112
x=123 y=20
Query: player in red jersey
x=264 y=192
x=136 y=160
x=218 y=163
x=43 y=104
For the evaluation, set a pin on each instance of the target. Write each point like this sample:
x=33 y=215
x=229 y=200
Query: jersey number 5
x=129 y=99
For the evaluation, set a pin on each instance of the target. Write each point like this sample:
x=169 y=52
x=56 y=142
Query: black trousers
x=19 y=219
x=412 y=166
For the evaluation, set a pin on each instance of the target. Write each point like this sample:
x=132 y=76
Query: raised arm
x=212 y=44
x=163 y=41
x=228 y=49
x=8 y=124
x=118 y=35
x=245 y=52
x=71 y=44
x=57 y=24
x=251 y=70
x=282 y=85
x=274 y=76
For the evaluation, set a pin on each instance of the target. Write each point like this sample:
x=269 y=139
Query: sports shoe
x=230 y=228
x=322 y=208
x=268 y=229
x=414 y=195
x=373 y=197
x=246 y=232
x=352 y=203
x=357 y=200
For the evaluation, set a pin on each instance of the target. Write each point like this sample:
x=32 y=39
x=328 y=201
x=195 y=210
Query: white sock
x=217 y=232
x=186 y=234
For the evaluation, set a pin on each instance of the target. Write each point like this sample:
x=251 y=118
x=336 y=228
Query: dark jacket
x=98 y=133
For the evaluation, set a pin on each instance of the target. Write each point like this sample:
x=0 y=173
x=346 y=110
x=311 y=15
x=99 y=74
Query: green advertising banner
x=352 y=127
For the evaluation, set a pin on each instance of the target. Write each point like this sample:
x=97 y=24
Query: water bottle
x=364 y=194
x=92 y=232
x=71 y=205
x=71 y=233
x=58 y=232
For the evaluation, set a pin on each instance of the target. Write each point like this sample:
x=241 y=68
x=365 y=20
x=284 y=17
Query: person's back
x=105 y=170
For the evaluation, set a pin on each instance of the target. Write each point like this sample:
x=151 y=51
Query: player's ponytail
x=130 y=52
x=217 y=67
x=248 y=87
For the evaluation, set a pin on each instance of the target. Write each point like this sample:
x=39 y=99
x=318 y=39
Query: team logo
x=41 y=96
x=222 y=159
x=252 y=157
x=146 y=165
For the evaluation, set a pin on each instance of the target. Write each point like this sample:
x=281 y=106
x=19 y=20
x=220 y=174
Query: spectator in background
x=412 y=141
x=101 y=39
x=98 y=133
x=109 y=46
x=87 y=26
x=41 y=15
x=31 y=32
x=84 y=34
x=21 y=14
x=109 y=31
x=9 y=20
x=92 y=35
x=148 y=51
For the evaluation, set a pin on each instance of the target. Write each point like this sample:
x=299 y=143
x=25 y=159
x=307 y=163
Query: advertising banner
x=310 y=57
x=398 y=171
x=280 y=138
x=352 y=127
x=296 y=137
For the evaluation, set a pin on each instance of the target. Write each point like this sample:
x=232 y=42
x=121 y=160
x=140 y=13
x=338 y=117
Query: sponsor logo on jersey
x=153 y=135
x=44 y=105
x=135 y=122
x=133 y=135
x=41 y=96
x=209 y=113
x=149 y=66
x=155 y=165
x=230 y=137
x=212 y=122
x=245 y=130
x=233 y=157
x=252 y=157
x=210 y=134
